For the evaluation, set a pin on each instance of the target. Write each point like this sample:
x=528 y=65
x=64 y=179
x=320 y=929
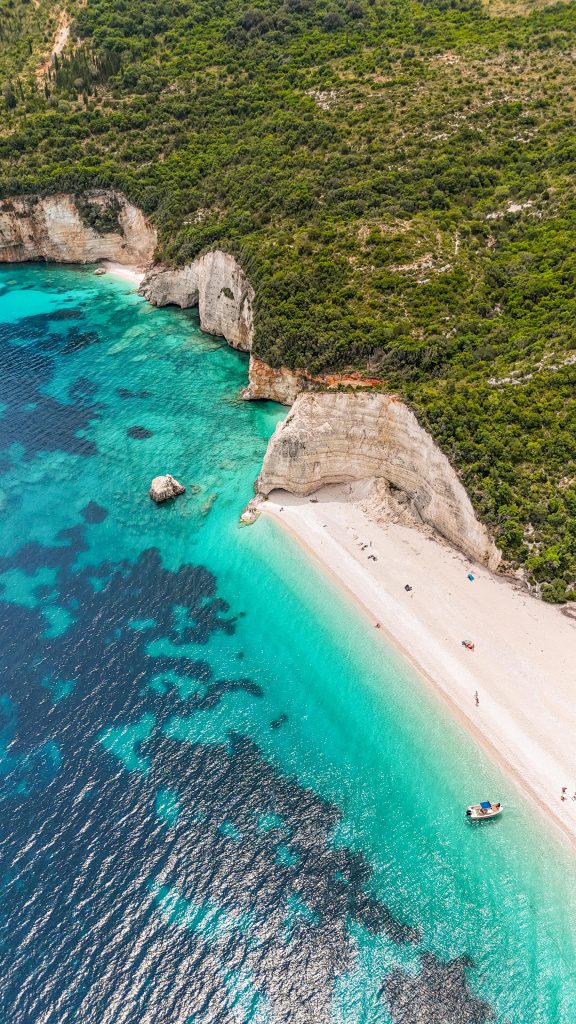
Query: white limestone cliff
x=219 y=287
x=338 y=438
x=52 y=228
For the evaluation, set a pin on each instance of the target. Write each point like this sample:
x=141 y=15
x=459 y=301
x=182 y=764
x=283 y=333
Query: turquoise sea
x=223 y=798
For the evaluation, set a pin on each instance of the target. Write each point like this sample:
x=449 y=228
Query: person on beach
x=477 y=699
x=564 y=788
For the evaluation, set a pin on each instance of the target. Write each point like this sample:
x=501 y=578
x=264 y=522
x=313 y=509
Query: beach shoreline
x=524 y=649
x=128 y=272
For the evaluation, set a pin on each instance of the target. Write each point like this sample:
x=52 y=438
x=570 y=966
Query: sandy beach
x=524 y=660
x=128 y=273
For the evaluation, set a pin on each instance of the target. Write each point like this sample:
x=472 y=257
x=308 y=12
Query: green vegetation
x=26 y=30
x=101 y=218
x=397 y=180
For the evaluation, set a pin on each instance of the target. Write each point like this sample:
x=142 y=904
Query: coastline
x=527 y=713
x=524 y=660
x=127 y=272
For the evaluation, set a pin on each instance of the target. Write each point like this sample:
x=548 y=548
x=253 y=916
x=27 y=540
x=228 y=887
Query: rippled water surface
x=222 y=798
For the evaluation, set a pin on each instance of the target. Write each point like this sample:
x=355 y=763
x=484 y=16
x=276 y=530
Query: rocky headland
x=216 y=284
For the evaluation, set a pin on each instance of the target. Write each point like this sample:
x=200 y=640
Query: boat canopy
x=486 y=805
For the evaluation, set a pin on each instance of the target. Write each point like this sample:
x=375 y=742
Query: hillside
x=397 y=180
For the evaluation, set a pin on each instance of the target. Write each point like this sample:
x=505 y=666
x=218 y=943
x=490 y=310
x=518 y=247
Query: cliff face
x=284 y=385
x=218 y=286
x=279 y=385
x=57 y=229
x=337 y=438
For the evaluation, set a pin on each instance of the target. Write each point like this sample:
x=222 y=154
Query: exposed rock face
x=251 y=512
x=53 y=228
x=284 y=385
x=278 y=385
x=338 y=438
x=164 y=487
x=218 y=286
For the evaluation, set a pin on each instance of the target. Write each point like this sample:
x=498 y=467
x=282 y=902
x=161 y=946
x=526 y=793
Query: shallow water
x=223 y=798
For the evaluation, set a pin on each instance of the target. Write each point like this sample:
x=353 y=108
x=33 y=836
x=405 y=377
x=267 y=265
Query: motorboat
x=483 y=811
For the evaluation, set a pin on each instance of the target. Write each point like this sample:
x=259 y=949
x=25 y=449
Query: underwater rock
x=277 y=723
x=94 y=513
x=139 y=433
x=164 y=487
x=126 y=393
x=207 y=505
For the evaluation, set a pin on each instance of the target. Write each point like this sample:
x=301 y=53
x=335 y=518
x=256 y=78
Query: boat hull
x=477 y=813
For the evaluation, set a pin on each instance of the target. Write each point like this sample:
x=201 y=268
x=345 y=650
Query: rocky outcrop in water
x=339 y=438
x=165 y=487
x=219 y=287
x=63 y=228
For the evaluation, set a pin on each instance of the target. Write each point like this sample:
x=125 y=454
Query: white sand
x=128 y=273
x=524 y=661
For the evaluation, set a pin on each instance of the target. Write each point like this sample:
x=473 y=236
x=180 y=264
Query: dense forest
x=397 y=179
